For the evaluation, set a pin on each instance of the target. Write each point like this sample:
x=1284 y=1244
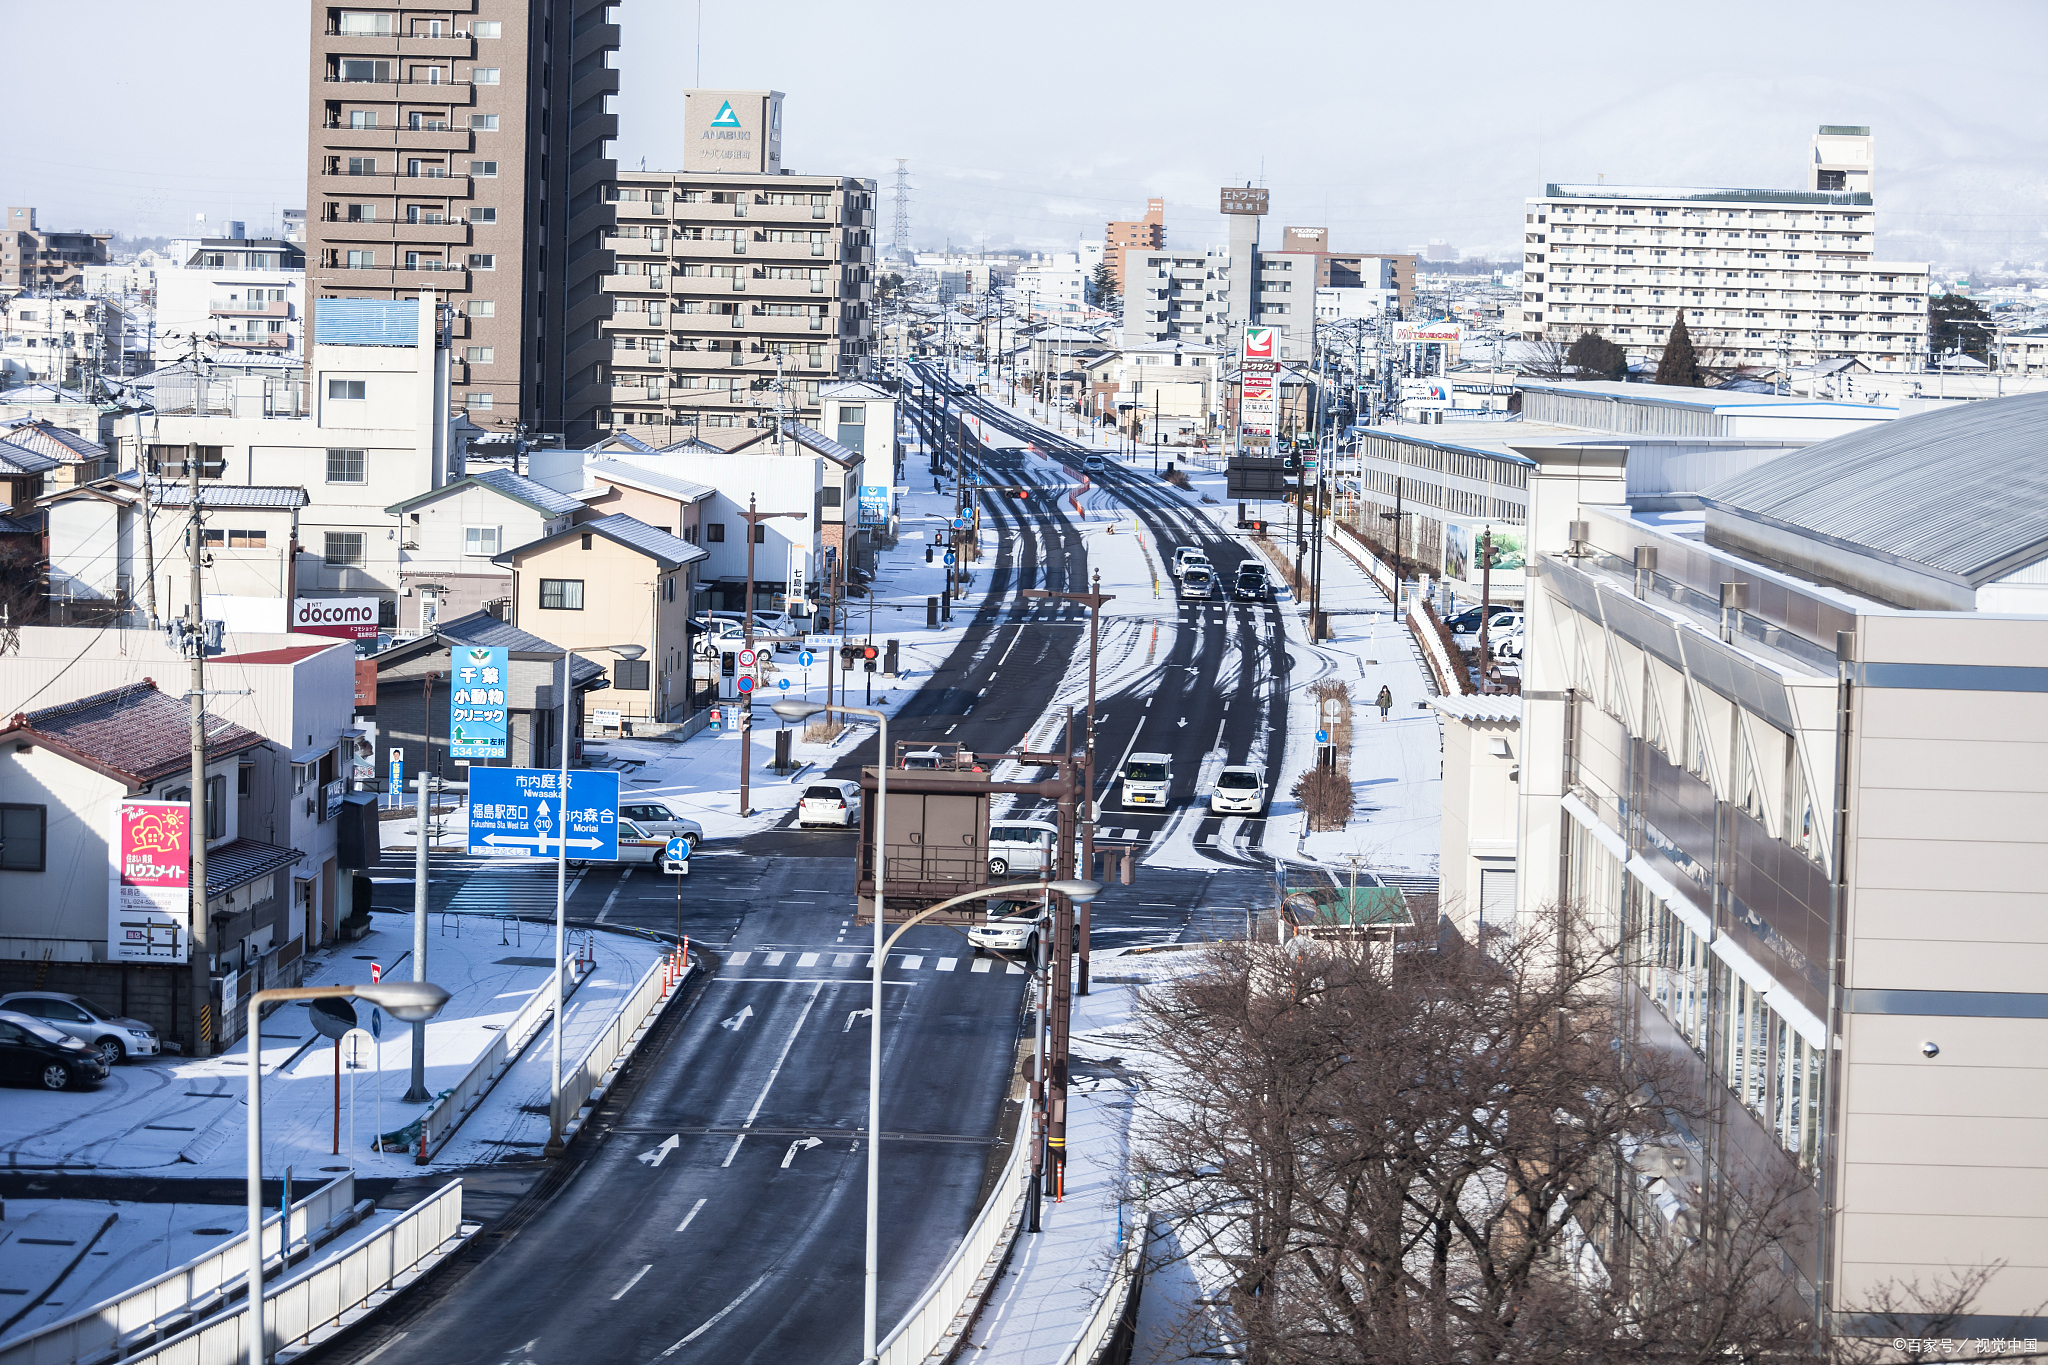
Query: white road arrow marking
x=800 y=1145
x=1182 y=722
x=739 y=1021
x=669 y=1144
x=851 y=1016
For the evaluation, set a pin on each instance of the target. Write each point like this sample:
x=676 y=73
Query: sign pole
x=554 y=1147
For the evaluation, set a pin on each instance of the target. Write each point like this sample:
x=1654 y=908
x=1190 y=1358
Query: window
x=477 y=355
x=483 y=308
x=486 y=28
x=346 y=388
x=483 y=75
x=561 y=594
x=237 y=540
x=483 y=123
x=480 y=215
x=23 y=833
x=345 y=466
x=714 y=532
x=358 y=23
x=361 y=213
x=361 y=260
x=482 y=260
x=479 y=402
x=344 y=549
x=484 y=170
x=364 y=69
x=362 y=165
x=362 y=118
x=831 y=496
x=481 y=540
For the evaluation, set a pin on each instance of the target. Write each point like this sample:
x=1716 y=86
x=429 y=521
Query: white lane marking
x=911 y=963
x=773 y=959
x=695 y=1209
x=852 y=1015
x=762 y=1098
x=739 y=1021
x=613 y=897
x=738 y=959
x=717 y=1317
x=385 y=1347
x=1013 y=969
x=842 y=959
x=807 y=960
x=630 y=1283
x=946 y=964
x=981 y=964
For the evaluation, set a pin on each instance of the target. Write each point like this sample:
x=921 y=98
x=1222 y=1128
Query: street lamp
x=409 y=1002
x=628 y=653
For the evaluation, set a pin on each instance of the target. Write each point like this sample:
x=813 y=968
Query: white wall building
x=255 y=312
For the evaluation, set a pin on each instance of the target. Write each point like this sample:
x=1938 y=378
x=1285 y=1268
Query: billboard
x=149 y=881
x=1462 y=544
x=476 y=703
x=345 y=618
x=1259 y=347
x=1428 y=333
x=1258 y=409
x=1245 y=200
x=874 y=504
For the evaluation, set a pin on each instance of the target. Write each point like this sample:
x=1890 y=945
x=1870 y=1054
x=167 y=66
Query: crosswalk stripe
x=981 y=964
x=1014 y=969
x=738 y=959
x=911 y=964
x=773 y=959
x=842 y=959
x=807 y=960
x=946 y=964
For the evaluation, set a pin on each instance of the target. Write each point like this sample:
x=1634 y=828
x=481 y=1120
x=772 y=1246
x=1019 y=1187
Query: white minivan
x=1147 y=779
x=1021 y=846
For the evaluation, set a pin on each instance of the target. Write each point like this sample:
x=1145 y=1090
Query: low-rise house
x=24 y=473
x=450 y=536
x=79 y=458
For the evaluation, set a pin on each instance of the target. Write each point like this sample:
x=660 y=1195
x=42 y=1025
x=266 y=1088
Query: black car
x=31 y=1051
x=1252 y=586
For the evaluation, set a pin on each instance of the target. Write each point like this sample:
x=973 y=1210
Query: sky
x=1030 y=126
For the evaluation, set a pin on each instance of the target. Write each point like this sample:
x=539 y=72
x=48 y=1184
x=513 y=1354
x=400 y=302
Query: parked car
x=1146 y=780
x=31 y=1051
x=1197 y=580
x=1239 y=790
x=658 y=817
x=1467 y=621
x=1506 y=645
x=114 y=1037
x=829 y=803
x=730 y=629
x=1252 y=585
x=1094 y=464
x=1021 y=846
x=1012 y=927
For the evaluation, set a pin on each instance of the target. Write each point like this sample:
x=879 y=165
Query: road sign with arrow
x=519 y=813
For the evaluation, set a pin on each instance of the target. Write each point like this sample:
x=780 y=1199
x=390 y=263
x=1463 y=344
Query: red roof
x=277 y=656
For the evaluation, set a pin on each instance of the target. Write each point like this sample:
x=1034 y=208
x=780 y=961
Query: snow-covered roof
x=1491 y=708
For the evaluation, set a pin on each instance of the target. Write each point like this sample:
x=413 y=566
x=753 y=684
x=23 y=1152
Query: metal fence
x=1111 y=1309
x=111 y=1330
x=303 y=1308
x=440 y=1121
x=599 y=1059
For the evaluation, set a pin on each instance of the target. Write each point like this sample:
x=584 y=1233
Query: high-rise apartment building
x=1147 y=234
x=732 y=272
x=1765 y=277
x=466 y=147
x=37 y=261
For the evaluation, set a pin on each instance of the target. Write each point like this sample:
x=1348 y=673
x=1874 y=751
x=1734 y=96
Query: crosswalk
x=863 y=962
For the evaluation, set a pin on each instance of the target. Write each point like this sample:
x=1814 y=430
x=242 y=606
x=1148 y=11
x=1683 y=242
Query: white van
x=1021 y=847
x=1196 y=580
x=1147 y=779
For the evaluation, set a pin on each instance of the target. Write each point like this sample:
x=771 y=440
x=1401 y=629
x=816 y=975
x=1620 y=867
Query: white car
x=1013 y=927
x=1021 y=847
x=658 y=817
x=1147 y=778
x=114 y=1038
x=1239 y=791
x=636 y=845
x=1184 y=555
x=829 y=803
x=1197 y=580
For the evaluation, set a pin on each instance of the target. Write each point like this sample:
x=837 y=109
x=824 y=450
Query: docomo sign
x=348 y=618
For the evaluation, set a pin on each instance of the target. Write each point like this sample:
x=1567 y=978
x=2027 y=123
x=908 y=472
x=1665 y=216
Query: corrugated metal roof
x=482 y=628
x=1496 y=708
x=241 y=861
x=1962 y=490
x=672 y=552
x=652 y=481
x=366 y=322
x=16 y=459
x=818 y=441
x=228 y=495
x=690 y=444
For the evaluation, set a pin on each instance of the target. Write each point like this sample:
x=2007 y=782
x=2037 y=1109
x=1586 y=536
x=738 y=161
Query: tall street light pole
x=1093 y=601
x=746 y=716
x=409 y=1002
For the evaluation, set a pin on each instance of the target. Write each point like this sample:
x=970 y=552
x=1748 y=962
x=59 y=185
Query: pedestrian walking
x=1385 y=701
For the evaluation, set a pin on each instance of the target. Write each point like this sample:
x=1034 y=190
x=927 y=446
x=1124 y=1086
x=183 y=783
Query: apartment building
x=1765 y=277
x=1788 y=750
x=1146 y=234
x=465 y=147
x=737 y=287
x=35 y=260
x=63 y=339
x=248 y=294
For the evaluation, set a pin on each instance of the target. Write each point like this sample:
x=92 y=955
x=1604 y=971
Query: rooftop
x=134 y=733
x=819 y=443
x=649 y=480
x=1706 y=194
x=1712 y=400
x=1497 y=709
x=658 y=545
x=517 y=487
x=47 y=438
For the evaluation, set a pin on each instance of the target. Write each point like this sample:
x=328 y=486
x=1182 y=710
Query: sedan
x=32 y=1051
x=1013 y=927
x=636 y=845
x=115 y=1039
x=829 y=803
x=1094 y=464
x=658 y=817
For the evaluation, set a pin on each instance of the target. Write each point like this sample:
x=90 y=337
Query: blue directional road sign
x=806 y=658
x=678 y=850
x=782 y=683
x=517 y=813
x=1322 y=736
x=949 y=559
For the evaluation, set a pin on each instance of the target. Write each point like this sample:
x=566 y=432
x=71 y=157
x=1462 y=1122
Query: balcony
x=387 y=277
x=343 y=186
x=263 y=341
x=634 y=284
x=396 y=138
x=390 y=92
x=247 y=308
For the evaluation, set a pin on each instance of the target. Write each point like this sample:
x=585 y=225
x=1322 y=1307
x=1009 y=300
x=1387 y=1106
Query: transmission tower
x=899 y=237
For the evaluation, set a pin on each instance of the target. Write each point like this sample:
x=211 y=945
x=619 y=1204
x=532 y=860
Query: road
x=715 y=1209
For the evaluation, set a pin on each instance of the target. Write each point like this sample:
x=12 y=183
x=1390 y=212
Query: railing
x=945 y=1306
x=107 y=1331
x=1115 y=1300
x=320 y=1297
x=610 y=1046
x=1452 y=678
x=440 y=1121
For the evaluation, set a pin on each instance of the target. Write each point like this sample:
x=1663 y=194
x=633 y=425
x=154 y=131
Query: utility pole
x=1062 y=980
x=422 y=811
x=195 y=646
x=746 y=710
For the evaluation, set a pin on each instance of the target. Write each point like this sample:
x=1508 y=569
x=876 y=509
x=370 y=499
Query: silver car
x=116 y=1039
x=658 y=817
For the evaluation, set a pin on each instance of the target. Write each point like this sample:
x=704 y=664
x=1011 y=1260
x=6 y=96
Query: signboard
x=874 y=505
x=336 y=789
x=1428 y=333
x=796 y=578
x=517 y=813
x=476 y=702
x=149 y=881
x=823 y=643
x=1243 y=199
x=1258 y=409
x=1259 y=344
x=345 y=618
x=611 y=718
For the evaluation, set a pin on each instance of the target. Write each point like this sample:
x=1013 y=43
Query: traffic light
x=869 y=654
x=846 y=653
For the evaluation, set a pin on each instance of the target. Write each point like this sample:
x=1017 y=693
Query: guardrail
x=1451 y=676
x=1116 y=1298
x=941 y=1314
x=109 y=1330
x=310 y=1308
x=611 y=1049
x=440 y=1121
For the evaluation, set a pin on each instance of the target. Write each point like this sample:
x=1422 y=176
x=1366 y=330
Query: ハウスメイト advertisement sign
x=149 y=881
x=347 y=618
x=476 y=705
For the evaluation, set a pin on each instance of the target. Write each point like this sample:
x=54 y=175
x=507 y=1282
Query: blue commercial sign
x=874 y=504
x=476 y=702
x=518 y=813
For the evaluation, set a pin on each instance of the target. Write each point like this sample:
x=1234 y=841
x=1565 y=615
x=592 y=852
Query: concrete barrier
x=440 y=1121
x=129 y=1322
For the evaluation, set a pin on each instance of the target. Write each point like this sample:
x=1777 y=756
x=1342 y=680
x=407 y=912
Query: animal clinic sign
x=149 y=882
